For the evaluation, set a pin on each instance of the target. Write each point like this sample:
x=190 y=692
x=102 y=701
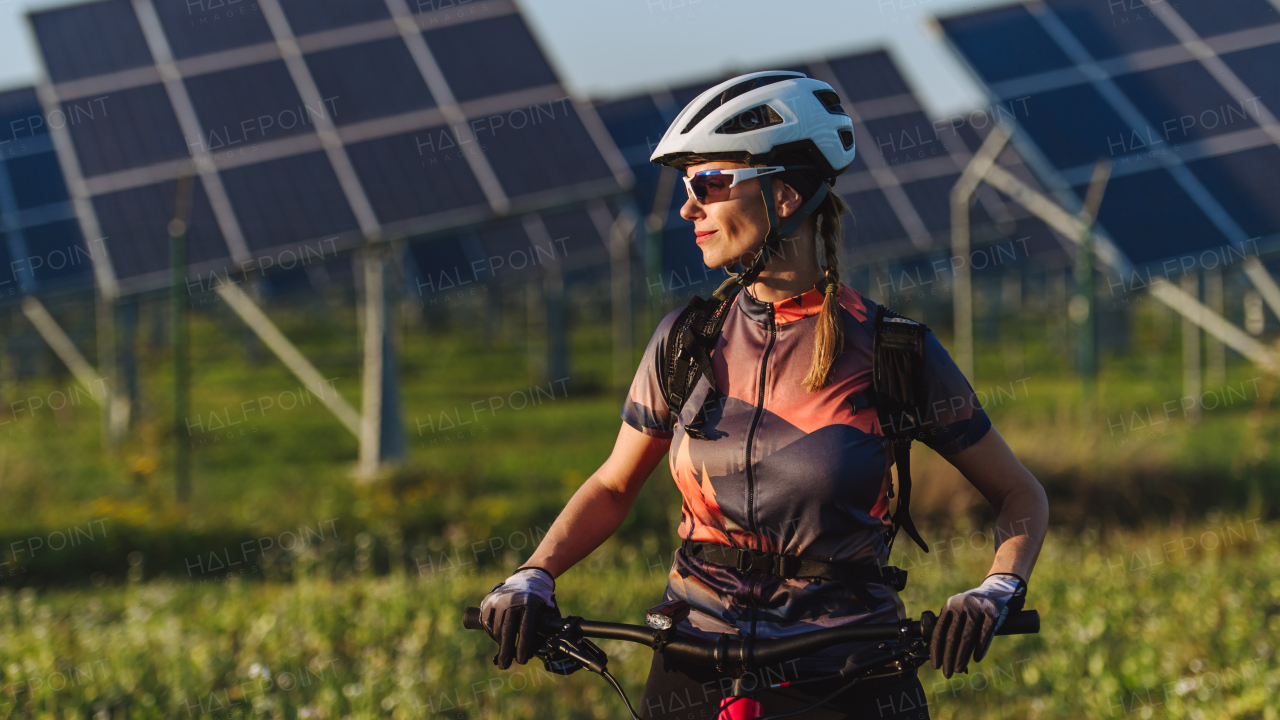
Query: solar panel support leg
x=381 y=436
x=1191 y=384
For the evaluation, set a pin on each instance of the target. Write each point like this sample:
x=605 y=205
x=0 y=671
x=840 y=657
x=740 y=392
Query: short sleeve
x=645 y=408
x=953 y=419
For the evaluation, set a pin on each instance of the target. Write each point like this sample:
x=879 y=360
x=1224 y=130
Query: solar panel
x=416 y=174
x=276 y=210
x=473 y=74
x=1171 y=94
x=870 y=76
x=1184 y=103
x=1207 y=17
x=128 y=128
x=42 y=248
x=533 y=148
x=370 y=80
x=311 y=16
x=325 y=147
x=198 y=27
x=251 y=104
x=87 y=40
x=1005 y=43
x=1245 y=182
x=1111 y=29
x=130 y=214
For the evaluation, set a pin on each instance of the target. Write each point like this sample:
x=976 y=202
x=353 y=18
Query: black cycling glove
x=969 y=621
x=513 y=611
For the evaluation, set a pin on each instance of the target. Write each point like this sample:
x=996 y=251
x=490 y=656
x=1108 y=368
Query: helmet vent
x=733 y=92
x=760 y=116
x=831 y=102
x=846 y=137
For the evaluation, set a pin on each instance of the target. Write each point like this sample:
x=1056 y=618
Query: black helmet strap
x=773 y=240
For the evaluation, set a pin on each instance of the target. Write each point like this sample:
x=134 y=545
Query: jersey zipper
x=755 y=420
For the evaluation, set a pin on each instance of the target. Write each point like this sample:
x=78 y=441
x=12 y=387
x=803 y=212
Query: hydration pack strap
x=851 y=576
x=899 y=391
x=688 y=356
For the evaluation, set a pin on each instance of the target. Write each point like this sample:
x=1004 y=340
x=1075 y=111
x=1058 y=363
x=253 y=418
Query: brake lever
x=566 y=651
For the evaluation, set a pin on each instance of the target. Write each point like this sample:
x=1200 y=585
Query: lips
x=701 y=235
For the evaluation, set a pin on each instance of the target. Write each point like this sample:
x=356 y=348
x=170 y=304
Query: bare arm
x=1020 y=503
x=598 y=507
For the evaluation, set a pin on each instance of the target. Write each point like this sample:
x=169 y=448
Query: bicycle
x=903 y=647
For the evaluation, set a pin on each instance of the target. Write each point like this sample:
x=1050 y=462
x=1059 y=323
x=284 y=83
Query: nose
x=692 y=210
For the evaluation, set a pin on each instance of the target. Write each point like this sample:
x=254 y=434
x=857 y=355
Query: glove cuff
x=1009 y=582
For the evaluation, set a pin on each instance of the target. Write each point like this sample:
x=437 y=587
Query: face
x=733 y=229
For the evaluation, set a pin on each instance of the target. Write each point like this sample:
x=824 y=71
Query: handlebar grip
x=1025 y=622
x=471 y=619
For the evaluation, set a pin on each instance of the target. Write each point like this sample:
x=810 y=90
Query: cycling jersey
x=789 y=471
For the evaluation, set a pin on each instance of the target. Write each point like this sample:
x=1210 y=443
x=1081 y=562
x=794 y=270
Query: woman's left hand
x=969 y=621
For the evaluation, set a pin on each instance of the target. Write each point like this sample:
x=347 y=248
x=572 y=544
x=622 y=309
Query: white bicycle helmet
x=772 y=117
x=763 y=115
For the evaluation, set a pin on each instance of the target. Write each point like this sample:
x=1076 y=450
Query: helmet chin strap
x=773 y=240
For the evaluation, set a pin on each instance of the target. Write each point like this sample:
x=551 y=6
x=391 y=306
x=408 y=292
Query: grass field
x=1167 y=622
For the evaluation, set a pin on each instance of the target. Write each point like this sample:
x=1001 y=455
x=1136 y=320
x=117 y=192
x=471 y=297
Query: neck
x=790 y=272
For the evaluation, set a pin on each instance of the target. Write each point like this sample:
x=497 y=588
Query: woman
x=782 y=460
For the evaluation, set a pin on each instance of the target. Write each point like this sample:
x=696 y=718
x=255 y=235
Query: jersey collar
x=793 y=308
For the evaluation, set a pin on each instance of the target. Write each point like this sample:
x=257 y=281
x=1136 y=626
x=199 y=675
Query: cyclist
x=786 y=461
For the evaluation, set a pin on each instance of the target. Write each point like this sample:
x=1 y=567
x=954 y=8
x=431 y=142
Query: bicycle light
x=667 y=615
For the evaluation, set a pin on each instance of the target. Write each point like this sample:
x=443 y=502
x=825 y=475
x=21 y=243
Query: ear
x=786 y=199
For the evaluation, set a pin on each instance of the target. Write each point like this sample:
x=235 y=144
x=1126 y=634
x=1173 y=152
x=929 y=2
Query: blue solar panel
x=37 y=180
x=1153 y=218
x=416 y=174
x=1245 y=183
x=20 y=119
x=91 y=39
x=1214 y=17
x=197 y=27
x=277 y=210
x=932 y=201
x=1256 y=68
x=1075 y=125
x=1110 y=29
x=635 y=124
x=573 y=234
x=127 y=128
x=868 y=77
x=308 y=16
x=901 y=139
x=134 y=223
x=1184 y=102
x=489 y=57
x=552 y=150
x=873 y=223
x=251 y=104
x=369 y=80
x=57 y=255
x=1005 y=43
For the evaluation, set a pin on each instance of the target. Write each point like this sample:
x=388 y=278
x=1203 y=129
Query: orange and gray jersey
x=789 y=471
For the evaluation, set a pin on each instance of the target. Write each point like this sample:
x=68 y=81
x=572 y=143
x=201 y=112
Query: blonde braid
x=828 y=338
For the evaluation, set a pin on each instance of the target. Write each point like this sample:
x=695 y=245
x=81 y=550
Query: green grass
x=1122 y=636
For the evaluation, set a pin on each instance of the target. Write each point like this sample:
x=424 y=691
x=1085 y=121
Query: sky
x=614 y=48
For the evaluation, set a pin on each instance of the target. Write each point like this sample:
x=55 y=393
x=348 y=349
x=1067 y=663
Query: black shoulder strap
x=899 y=386
x=688 y=355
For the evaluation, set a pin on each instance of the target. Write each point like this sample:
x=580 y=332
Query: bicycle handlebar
x=751 y=652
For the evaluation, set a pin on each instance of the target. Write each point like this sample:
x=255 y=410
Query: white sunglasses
x=714 y=185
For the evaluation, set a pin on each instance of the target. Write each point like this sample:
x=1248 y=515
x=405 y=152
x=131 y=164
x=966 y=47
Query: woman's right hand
x=513 y=611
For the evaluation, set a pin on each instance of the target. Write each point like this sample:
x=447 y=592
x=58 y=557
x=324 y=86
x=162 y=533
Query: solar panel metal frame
x=1087 y=71
x=332 y=140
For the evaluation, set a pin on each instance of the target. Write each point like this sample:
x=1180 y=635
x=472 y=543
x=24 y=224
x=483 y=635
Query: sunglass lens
x=710 y=188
